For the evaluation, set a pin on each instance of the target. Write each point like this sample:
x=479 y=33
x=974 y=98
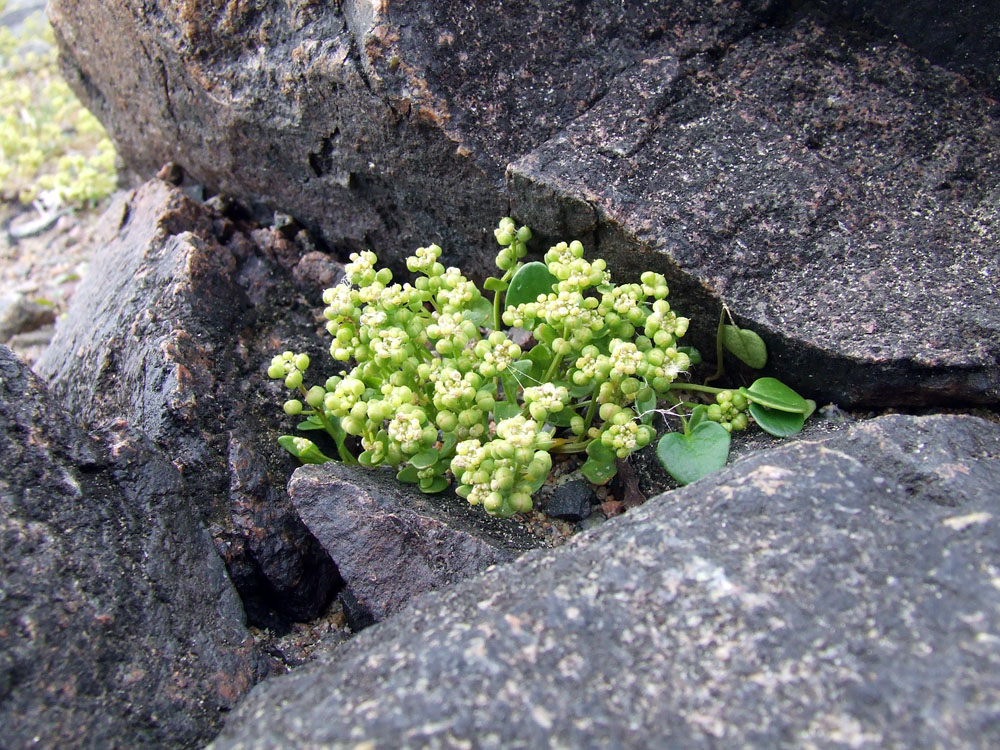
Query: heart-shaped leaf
x=774 y=394
x=690 y=457
x=778 y=423
x=528 y=282
x=745 y=345
x=540 y=357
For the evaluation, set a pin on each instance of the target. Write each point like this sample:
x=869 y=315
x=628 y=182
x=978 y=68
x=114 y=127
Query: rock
x=391 y=542
x=118 y=626
x=838 y=193
x=836 y=592
x=163 y=333
x=832 y=191
x=18 y=315
x=964 y=37
x=570 y=501
x=356 y=112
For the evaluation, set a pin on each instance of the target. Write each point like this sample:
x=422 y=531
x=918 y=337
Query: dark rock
x=161 y=333
x=838 y=592
x=570 y=500
x=387 y=125
x=391 y=542
x=836 y=191
x=832 y=191
x=961 y=36
x=118 y=626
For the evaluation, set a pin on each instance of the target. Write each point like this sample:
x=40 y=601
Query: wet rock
x=161 y=333
x=118 y=626
x=837 y=591
x=391 y=542
x=838 y=194
x=570 y=500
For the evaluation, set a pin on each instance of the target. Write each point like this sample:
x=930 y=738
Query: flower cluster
x=435 y=385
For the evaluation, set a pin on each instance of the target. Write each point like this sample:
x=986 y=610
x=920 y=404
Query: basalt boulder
x=839 y=592
x=171 y=331
x=118 y=625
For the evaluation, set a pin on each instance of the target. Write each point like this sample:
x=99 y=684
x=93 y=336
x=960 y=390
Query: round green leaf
x=408 y=474
x=493 y=284
x=745 y=345
x=505 y=410
x=774 y=394
x=598 y=471
x=690 y=457
x=778 y=423
x=530 y=280
x=698 y=415
x=433 y=486
x=480 y=312
x=425 y=459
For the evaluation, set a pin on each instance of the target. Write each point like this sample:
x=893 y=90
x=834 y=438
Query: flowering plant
x=440 y=384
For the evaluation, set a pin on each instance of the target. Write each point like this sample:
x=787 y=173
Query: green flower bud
x=302 y=362
x=293 y=380
x=316 y=396
x=276 y=371
x=293 y=407
x=524 y=234
x=447 y=421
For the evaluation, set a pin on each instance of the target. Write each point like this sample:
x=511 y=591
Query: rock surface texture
x=170 y=331
x=391 y=542
x=833 y=593
x=118 y=625
x=839 y=192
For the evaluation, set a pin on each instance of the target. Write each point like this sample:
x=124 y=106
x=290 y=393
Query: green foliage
x=438 y=386
x=50 y=145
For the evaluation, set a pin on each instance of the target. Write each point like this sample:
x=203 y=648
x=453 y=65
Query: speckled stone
x=839 y=194
x=171 y=330
x=391 y=542
x=841 y=592
x=118 y=625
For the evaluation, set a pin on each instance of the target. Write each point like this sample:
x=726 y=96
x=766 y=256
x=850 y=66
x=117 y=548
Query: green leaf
x=493 y=284
x=365 y=459
x=812 y=407
x=600 y=452
x=425 y=459
x=307 y=454
x=579 y=391
x=690 y=457
x=774 y=394
x=693 y=354
x=698 y=415
x=598 y=471
x=778 y=423
x=312 y=423
x=646 y=407
x=540 y=357
x=408 y=474
x=561 y=418
x=433 y=486
x=746 y=345
x=528 y=282
x=448 y=441
x=480 y=313
x=504 y=410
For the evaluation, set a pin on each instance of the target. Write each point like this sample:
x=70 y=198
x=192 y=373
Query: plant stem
x=694 y=387
x=720 y=367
